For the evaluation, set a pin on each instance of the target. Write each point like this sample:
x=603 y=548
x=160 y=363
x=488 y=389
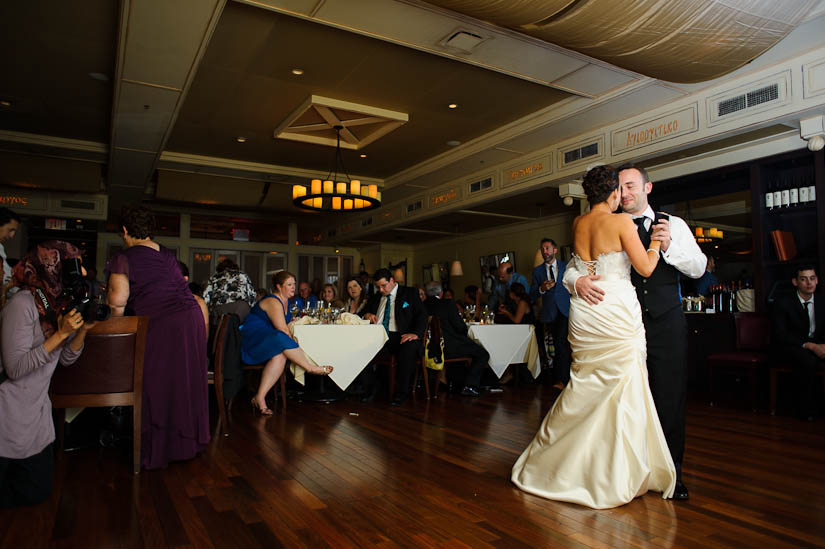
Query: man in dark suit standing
x=399 y=309
x=456 y=341
x=555 y=309
x=799 y=335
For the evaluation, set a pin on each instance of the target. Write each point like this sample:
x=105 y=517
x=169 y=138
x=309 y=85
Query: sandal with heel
x=257 y=407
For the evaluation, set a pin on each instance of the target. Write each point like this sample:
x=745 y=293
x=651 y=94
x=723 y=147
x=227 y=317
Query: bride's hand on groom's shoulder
x=587 y=290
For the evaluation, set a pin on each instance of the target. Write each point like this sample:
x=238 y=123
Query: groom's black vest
x=659 y=293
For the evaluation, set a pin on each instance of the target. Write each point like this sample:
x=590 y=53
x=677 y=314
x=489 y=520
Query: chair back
x=753 y=332
x=435 y=328
x=219 y=345
x=111 y=364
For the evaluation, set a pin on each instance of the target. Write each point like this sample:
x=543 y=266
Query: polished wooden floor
x=429 y=474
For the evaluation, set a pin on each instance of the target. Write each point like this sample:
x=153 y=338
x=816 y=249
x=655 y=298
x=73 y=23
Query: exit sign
x=56 y=224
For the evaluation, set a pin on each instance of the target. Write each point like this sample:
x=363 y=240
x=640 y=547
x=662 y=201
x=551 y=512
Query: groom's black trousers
x=667 y=372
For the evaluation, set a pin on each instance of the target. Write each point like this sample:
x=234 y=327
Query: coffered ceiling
x=147 y=100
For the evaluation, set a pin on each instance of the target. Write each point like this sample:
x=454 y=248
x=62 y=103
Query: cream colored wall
x=522 y=238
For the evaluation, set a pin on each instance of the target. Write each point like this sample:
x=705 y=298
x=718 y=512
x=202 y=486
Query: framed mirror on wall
x=489 y=268
x=438 y=272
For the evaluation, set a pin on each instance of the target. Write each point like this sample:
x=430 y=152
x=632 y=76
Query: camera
x=77 y=290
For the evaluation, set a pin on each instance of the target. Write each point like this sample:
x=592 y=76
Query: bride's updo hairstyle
x=599 y=182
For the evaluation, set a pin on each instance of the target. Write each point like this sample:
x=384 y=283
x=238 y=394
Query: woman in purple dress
x=144 y=279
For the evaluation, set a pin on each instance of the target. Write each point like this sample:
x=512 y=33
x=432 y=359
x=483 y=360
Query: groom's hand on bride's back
x=589 y=291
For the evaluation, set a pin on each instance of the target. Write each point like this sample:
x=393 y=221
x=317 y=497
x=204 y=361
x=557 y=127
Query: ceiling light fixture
x=332 y=194
x=452 y=106
x=4 y=103
x=363 y=156
x=297 y=72
x=240 y=139
x=453 y=143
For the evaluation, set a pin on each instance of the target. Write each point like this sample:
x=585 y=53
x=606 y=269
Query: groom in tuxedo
x=555 y=309
x=660 y=300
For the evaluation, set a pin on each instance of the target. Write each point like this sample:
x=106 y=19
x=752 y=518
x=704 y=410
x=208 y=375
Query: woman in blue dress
x=265 y=338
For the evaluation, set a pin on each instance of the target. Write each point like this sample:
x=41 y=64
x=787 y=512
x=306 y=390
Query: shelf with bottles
x=788 y=188
x=806 y=208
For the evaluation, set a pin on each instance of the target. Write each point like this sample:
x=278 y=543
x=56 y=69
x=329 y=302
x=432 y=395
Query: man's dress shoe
x=469 y=391
x=681 y=491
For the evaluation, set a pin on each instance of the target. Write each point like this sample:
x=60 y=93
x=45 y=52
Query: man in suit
x=401 y=312
x=799 y=335
x=555 y=309
x=661 y=303
x=456 y=341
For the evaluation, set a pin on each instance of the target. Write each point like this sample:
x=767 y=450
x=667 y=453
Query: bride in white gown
x=601 y=445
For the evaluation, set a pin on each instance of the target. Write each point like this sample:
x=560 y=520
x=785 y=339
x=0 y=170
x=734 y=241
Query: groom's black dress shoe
x=681 y=491
x=469 y=390
x=399 y=399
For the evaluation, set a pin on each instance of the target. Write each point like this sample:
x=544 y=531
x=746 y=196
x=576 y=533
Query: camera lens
x=102 y=312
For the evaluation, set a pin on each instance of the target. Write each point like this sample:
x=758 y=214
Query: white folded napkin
x=351 y=319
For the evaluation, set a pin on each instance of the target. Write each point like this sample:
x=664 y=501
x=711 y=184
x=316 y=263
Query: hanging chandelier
x=332 y=194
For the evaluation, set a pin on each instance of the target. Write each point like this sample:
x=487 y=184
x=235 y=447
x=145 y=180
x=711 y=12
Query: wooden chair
x=753 y=339
x=786 y=369
x=216 y=375
x=108 y=373
x=435 y=333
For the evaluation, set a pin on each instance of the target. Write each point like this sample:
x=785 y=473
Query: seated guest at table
x=145 y=280
x=500 y=295
x=35 y=336
x=422 y=293
x=265 y=338
x=472 y=298
x=229 y=290
x=523 y=313
x=303 y=298
x=799 y=335
x=329 y=297
x=357 y=296
x=401 y=312
x=456 y=341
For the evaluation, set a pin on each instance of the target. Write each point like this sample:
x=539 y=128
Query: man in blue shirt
x=304 y=296
x=501 y=291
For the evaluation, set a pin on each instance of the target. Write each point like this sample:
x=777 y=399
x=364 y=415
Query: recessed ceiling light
x=453 y=143
x=297 y=72
x=363 y=156
x=99 y=76
x=4 y=103
x=452 y=106
x=240 y=139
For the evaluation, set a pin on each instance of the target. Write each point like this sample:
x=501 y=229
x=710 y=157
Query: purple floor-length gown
x=175 y=415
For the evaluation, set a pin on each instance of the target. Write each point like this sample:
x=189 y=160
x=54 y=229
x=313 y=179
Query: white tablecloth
x=348 y=349
x=508 y=344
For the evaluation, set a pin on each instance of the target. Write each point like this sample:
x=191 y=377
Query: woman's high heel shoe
x=257 y=407
x=321 y=370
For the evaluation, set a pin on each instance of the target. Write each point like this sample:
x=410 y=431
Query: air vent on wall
x=754 y=97
x=747 y=100
x=582 y=152
x=78 y=204
x=462 y=40
x=414 y=206
x=482 y=185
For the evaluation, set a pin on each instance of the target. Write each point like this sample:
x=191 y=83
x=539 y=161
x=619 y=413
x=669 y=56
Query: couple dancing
x=603 y=442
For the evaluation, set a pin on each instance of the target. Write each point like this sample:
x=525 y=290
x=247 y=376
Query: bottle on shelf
x=769 y=196
x=811 y=190
x=794 y=192
x=777 y=195
x=786 y=193
x=803 y=190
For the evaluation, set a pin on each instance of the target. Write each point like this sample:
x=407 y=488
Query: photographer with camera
x=39 y=327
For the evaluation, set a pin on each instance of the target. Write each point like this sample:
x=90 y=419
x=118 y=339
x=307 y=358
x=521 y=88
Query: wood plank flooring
x=428 y=474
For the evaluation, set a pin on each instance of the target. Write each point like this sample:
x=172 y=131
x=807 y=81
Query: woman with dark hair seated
x=523 y=314
x=36 y=335
x=357 y=295
x=265 y=338
x=145 y=279
x=229 y=290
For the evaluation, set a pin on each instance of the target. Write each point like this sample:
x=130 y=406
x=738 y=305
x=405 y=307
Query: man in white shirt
x=799 y=337
x=660 y=299
x=9 y=223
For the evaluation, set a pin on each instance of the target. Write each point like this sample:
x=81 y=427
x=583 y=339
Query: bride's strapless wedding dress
x=601 y=445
